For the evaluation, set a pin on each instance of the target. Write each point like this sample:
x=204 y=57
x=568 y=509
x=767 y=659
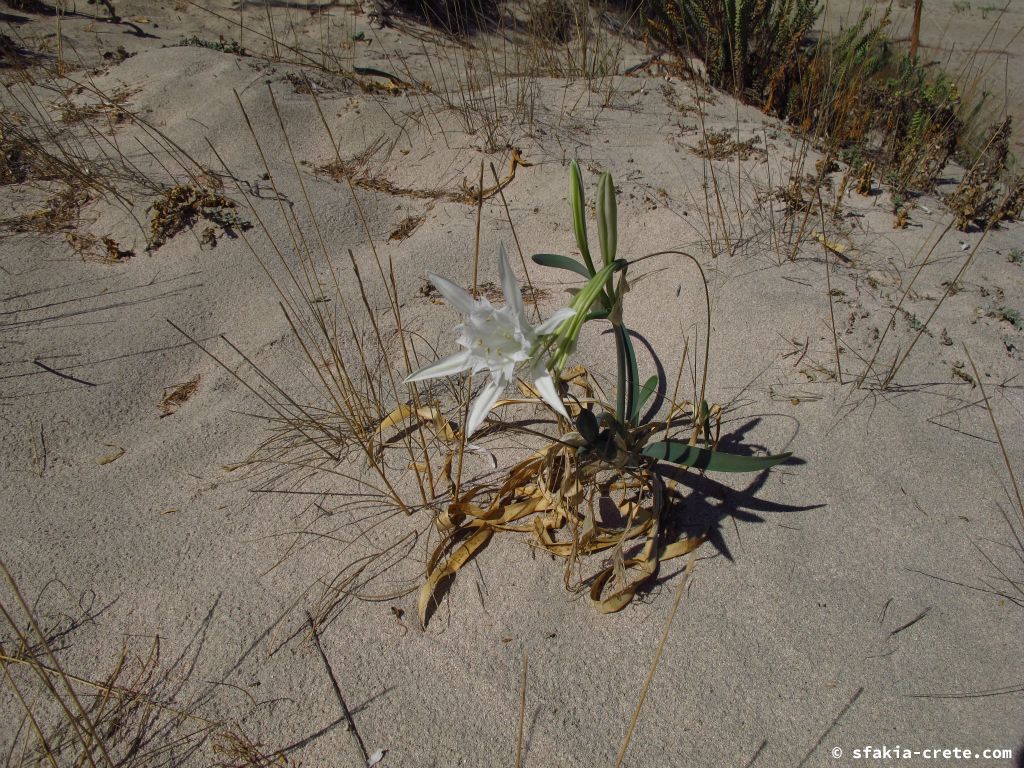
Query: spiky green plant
x=742 y=43
x=860 y=97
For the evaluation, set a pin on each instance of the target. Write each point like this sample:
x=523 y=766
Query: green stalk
x=632 y=375
x=620 y=370
x=623 y=401
x=607 y=227
x=567 y=333
x=607 y=215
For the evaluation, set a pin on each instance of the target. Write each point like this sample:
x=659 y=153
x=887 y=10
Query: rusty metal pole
x=915 y=30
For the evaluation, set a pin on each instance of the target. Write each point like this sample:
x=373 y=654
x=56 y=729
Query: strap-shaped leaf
x=607 y=217
x=705 y=419
x=579 y=212
x=645 y=393
x=461 y=555
x=558 y=261
x=632 y=372
x=586 y=425
x=681 y=452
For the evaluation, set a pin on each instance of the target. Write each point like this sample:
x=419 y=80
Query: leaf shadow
x=709 y=503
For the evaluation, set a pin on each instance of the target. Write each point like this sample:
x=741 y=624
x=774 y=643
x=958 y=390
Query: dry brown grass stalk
x=123 y=720
x=680 y=591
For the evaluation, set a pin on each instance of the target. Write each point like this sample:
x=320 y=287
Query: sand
x=857 y=605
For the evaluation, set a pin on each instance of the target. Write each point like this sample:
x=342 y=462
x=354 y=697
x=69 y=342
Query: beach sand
x=853 y=597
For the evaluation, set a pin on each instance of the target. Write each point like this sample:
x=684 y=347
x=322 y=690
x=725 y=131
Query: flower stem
x=620 y=360
x=564 y=338
x=632 y=377
x=625 y=400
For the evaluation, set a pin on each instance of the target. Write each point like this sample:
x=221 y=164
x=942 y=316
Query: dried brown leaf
x=176 y=396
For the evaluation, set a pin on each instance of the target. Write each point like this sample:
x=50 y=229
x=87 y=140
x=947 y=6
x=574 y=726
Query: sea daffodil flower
x=500 y=339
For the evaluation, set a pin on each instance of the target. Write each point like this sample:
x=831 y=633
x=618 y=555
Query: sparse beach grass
x=129 y=717
x=434 y=118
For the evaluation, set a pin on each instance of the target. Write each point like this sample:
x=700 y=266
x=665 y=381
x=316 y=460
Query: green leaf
x=558 y=261
x=579 y=212
x=612 y=424
x=626 y=408
x=645 y=392
x=595 y=287
x=680 y=452
x=607 y=216
x=705 y=419
x=586 y=425
x=582 y=303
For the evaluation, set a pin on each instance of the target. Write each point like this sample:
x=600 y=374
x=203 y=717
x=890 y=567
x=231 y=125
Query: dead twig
x=67 y=376
x=350 y=724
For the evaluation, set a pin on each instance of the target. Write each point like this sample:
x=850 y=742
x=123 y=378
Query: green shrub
x=744 y=44
x=458 y=17
x=859 y=96
x=853 y=94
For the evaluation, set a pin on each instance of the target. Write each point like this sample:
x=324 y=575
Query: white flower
x=498 y=339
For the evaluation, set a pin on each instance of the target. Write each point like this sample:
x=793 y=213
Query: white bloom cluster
x=498 y=339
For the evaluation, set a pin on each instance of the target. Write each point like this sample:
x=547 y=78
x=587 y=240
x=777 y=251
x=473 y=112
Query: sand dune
x=851 y=598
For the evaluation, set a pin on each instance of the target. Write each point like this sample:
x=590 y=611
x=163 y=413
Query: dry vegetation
x=136 y=714
x=128 y=717
x=58 y=138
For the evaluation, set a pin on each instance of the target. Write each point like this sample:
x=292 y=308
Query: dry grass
x=39 y=146
x=136 y=715
x=1010 y=581
x=62 y=135
x=127 y=718
x=491 y=291
x=483 y=61
x=111 y=110
x=60 y=212
x=721 y=145
x=320 y=428
x=90 y=247
x=358 y=173
x=234 y=748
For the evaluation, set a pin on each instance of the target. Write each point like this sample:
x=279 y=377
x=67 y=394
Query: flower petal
x=551 y=324
x=453 y=294
x=482 y=405
x=449 y=366
x=545 y=385
x=509 y=284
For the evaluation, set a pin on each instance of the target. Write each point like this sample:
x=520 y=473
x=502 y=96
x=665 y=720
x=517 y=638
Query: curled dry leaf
x=832 y=245
x=459 y=557
x=176 y=396
x=111 y=457
x=426 y=415
x=552 y=496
